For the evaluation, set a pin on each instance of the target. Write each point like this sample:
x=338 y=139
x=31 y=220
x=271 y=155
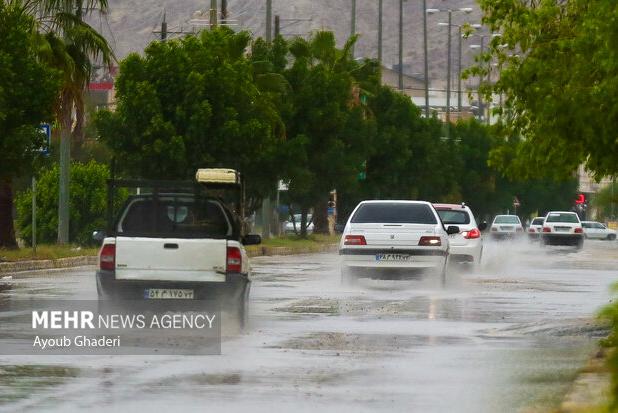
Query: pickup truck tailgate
x=170 y=259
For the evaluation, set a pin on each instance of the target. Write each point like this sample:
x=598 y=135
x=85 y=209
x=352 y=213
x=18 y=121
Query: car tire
x=611 y=237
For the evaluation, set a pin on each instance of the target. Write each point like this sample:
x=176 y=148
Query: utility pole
x=426 y=58
x=163 y=28
x=223 y=12
x=353 y=24
x=459 y=74
x=269 y=20
x=380 y=31
x=401 y=45
x=213 y=14
x=481 y=105
x=448 y=77
x=277 y=26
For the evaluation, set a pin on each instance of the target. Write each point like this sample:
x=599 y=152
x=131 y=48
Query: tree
x=27 y=92
x=71 y=45
x=328 y=128
x=558 y=73
x=88 y=203
x=193 y=103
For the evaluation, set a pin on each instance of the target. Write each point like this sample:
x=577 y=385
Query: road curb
x=34 y=265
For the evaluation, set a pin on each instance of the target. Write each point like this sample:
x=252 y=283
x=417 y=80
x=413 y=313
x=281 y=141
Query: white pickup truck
x=175 y=240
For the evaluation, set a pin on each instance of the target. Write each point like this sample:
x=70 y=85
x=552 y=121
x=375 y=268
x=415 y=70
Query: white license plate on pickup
x=393 y=257
x=168 y=293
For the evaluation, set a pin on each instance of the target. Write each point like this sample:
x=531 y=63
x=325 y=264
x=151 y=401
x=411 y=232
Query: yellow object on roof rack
x=218 y=176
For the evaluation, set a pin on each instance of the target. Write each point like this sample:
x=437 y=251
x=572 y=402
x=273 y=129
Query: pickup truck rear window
x=394 y=213
x=180 y=217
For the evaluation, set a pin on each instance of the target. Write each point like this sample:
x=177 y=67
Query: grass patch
x=45 y=252
x=296 y=241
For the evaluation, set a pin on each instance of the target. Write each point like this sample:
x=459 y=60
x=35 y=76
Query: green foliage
x=606 y=201
x=610 y=314
x=27 y=91
x=88 y=191
x=558 y=67
x=192 y=103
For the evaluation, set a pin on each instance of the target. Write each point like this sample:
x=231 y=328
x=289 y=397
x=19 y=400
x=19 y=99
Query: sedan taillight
x=233 y=260
x=579 y=230
x=472 y=234
x=531 y=230
x=429 y=242
x=546 y=229
x=355 y=240
x=107 y=257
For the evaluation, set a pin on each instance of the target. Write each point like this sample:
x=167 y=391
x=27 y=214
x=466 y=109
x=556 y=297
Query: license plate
x=168 y=293
x=507 y=228
x=562 y=229
x=392 y=257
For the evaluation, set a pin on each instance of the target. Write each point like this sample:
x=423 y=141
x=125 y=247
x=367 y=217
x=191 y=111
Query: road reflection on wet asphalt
x=509 y=337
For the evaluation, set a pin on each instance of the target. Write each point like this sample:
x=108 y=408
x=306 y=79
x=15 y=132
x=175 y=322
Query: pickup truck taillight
x=233 y=260
x=107 y=257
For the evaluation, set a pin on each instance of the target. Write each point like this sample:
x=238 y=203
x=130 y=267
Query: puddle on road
x=21 y=381
x=375 y=343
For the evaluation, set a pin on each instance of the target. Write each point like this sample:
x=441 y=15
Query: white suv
x=467 y=245
x=562 y=228
x=394 y=235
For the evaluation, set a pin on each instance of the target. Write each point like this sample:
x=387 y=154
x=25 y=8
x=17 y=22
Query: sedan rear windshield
x=167 y=216
x=537 y=221
x=562 y=217
x=455 y=217
x=506 y=219
x=394 y=213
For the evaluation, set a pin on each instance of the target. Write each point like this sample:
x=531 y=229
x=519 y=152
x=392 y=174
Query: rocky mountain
x=131 y=25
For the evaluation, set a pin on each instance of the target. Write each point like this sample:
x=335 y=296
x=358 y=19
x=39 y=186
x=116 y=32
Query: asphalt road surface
x=507 y=338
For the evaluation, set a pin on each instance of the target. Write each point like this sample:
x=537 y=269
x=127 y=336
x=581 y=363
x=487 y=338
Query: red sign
x=101 y=85
x=581 y=199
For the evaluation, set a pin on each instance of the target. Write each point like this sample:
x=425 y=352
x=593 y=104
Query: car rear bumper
x=236 y=285
x=466 y=253
x=563 y=239
x=503 y=235
x=388 y=258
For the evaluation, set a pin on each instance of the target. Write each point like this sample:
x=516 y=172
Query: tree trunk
x=320 y=217
x=7 y=231
x=303 y=221
x=65 y=165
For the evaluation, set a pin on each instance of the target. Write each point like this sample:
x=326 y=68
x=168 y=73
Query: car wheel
x=611 y=237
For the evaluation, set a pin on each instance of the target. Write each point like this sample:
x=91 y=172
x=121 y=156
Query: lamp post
x=450 y=12
x=401 y=45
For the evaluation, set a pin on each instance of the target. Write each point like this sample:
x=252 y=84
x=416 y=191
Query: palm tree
x=71 y=45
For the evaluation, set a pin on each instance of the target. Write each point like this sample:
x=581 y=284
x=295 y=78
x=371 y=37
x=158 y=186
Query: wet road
x=509 y=337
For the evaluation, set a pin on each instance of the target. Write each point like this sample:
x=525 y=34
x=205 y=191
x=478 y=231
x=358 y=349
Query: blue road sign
x=46 y=129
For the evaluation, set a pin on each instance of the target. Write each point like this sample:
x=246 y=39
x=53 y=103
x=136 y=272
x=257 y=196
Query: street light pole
x=426 y=58
x=353 y=24
x=380 y=31
x=401 y=45
x=448 y=76
x=459 y=74
x=269 y=20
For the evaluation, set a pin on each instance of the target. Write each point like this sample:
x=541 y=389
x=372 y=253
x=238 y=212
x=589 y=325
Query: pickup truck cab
x=174 y=240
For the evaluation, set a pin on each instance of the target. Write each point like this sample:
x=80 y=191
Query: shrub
x=88 y=199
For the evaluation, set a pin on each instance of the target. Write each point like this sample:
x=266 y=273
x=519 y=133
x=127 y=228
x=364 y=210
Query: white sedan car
x=293 y=227
x=467 y=245
x=596 y=230
x=392 y=235
x=535 y=229
x=506 y=226
x=562 y=228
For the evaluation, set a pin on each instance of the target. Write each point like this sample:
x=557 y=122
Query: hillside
x=130 y=25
